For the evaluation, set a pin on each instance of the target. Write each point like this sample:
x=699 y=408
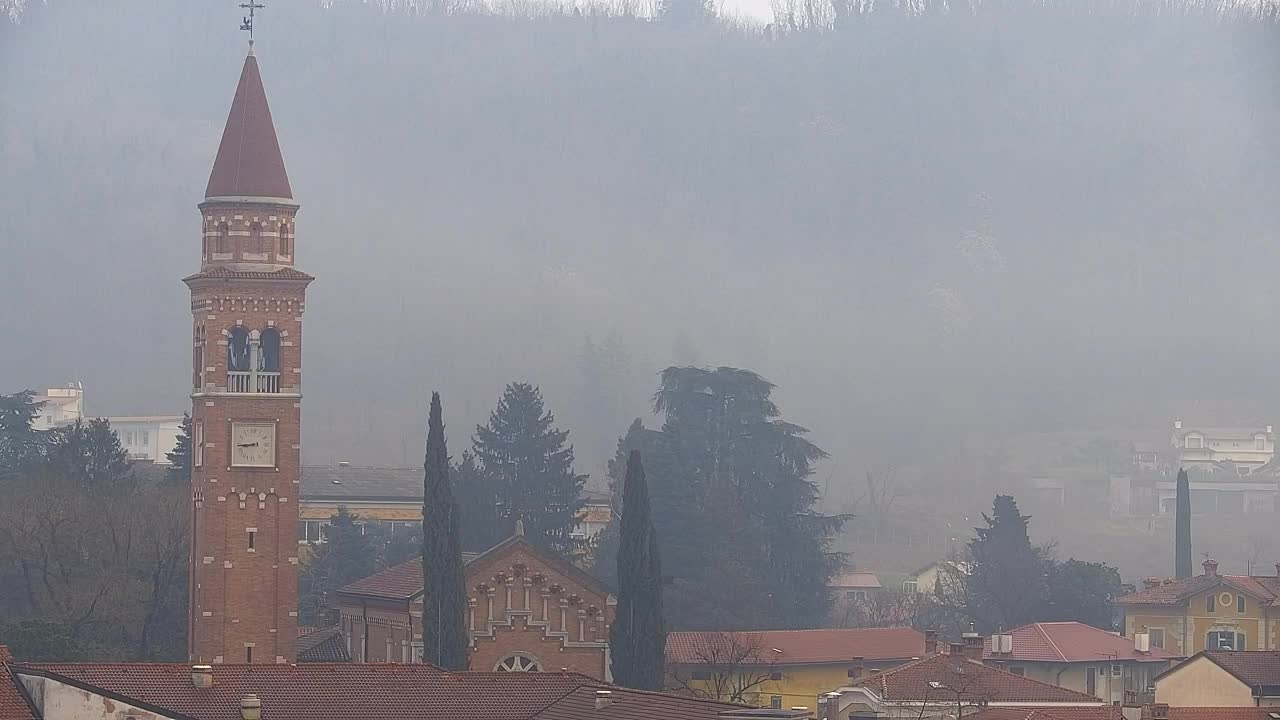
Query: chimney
x=956 y=649
x=1177 y=424
x=856 y=669
x=1150 y=583
x=830 y=709
x=1142 y=641
x=202 y=676
x=1210 y=567
x=931 y=636
x=604 y=698
x=1002 y=643
x=250 y=707
x=972 y=644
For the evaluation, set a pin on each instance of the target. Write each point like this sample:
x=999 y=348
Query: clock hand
x=253 y=444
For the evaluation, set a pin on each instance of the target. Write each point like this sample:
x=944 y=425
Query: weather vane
x=247 y=23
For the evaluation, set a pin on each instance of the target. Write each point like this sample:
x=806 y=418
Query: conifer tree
x=180 y=456
x=637 y=638
x=1182 y=529
x=1007 y=580
x=530 y=465
x=444 y=639
x=478 y=506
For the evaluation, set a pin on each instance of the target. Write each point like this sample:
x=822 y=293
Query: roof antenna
x=247 y=23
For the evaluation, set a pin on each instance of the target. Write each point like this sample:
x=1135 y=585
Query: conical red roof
x=249 y=161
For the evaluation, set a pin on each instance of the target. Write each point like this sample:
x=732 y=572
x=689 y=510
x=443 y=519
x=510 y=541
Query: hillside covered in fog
x=934 y=231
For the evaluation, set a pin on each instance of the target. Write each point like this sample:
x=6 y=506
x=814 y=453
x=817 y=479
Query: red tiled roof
x=1252 y=667
x=323 y=645
x=1103 y=712
x=1221 y=713
x=1072 y=642
x=249 y=162
x=1262 y=587
x=12 y=705
x=218 y=272
x=626 y=704
x=398 y=582
x=798 y=646
x=944 y=676
x=363 y=691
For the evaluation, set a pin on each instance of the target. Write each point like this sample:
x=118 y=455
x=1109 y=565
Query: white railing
x=253 y=382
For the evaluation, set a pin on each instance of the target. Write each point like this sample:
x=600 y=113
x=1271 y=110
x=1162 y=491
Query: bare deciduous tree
x=728 y=666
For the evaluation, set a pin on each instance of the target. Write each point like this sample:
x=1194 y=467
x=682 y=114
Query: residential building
x=1220 y=678
x=925 y=580
x=351 y=691
x=527 y=609
x=247 y=303
x=1081 y=657
x=855 y=585
x=59 y=407
x=1238 y=449
x=1206 y=612
x=1105 y=712
x=950 y=685
x=783 y=668
x=393 y=496
x=148 y=437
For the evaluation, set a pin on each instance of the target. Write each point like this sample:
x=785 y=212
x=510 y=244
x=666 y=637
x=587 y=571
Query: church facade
x=247 y=303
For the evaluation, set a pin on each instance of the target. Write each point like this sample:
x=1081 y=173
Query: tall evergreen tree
x=483 y=526
x=444 y=639
x=20 y=443
x=531 y=466
x=1007 y=578
x=638 y=637
x=1182 y=530
x=180 y=456
x=91 y=453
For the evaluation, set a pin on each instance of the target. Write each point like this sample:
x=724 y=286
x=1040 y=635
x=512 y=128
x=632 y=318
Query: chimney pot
x=250 y=707
x=604 y=698
x=1210 y=567
x=856 y=668
x=202 y=676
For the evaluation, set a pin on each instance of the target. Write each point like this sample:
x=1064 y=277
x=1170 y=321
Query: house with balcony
x=1240 y=450
x=1206 y=612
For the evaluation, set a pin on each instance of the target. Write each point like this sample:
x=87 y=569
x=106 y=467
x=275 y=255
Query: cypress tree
x=1182 y=530
x=444 y=639
x=637 y=638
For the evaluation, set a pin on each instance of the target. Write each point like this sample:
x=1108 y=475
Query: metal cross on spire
x=247 y=23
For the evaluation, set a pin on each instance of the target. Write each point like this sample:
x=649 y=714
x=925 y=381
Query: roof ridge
x=1061 y=655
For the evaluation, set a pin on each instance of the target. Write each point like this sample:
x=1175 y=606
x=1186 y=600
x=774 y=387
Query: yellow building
x=1218 y=678
x=1206 y=612
x=783 y=668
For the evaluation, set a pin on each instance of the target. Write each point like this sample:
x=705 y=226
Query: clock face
x=253 y=444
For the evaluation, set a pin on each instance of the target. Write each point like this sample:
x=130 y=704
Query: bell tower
x=247 y=302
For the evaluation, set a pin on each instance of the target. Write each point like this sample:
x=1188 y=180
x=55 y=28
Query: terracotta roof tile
x=359 y=691
x=1253 y=667
x=948 y=675
x=249 y=162
x=398 y=582
x=1072 y=642
x=1263 y=587
x=800 y=646
x=323 y=645
x=1102 y=712
x=12 y=704
x=218 y=272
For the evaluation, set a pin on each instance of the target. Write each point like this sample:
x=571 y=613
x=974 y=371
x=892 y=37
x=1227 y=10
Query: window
x=222 y=243
x=1240 y=603
x=1115 y=671
x=1224 y=640
x=248 y=654
x=286 y=240
x=1195 y=443
x=1157 y=637
x=197 y=443
x=1091 y=680
x=909 y=586
x=518 y=662
x=238 y=349
x=311 y=531
x=145 y=438
x=775 y=702
x=859 y=595
x=252 y=536
x=269 y=354
x=775 y=675
x=701 y=675
x=1259 y=444
x=255 y=240
x=1211 y=603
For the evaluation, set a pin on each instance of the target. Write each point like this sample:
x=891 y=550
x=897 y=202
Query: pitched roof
x=13 y=705
x=249 y=162
x=220 y=272
x=1067 y=642
x=405 y=581
x=1252 y=667
x=323 y=645
x=354 y=481
x=1263 y=587
x=1102 y=712
x=360 y=691
x=946 y=676
x=798 y=646
x=855 y=579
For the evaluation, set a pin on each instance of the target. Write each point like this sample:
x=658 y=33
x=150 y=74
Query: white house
x=59 y=407
x=148 y=437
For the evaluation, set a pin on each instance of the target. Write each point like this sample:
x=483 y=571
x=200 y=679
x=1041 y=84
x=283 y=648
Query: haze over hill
x=934 y=232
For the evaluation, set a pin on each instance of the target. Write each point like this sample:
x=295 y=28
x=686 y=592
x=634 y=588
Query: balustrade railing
x=253 y=382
